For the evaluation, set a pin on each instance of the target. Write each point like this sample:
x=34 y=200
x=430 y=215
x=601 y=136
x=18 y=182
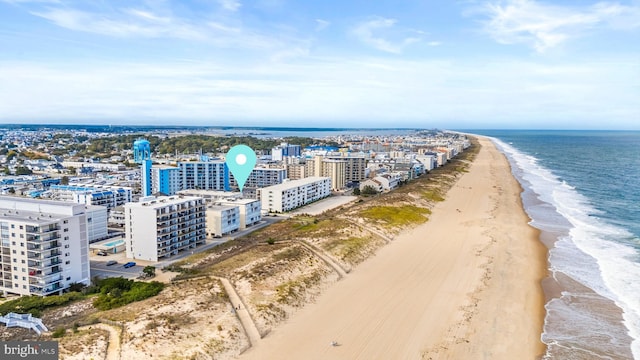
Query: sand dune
x=464 y=285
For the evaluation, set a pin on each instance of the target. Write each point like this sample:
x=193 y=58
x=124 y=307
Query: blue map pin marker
x=241 y=160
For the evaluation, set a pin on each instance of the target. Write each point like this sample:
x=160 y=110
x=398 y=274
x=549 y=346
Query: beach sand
x=464 y=285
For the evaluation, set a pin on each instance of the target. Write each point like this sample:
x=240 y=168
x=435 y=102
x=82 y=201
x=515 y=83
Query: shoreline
x=445 y=289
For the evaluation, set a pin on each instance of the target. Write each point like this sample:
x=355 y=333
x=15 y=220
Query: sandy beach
x=464 y=285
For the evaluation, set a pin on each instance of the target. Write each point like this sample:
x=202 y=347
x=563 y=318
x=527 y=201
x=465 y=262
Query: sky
x=322 y=63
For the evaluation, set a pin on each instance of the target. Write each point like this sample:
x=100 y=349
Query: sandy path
x=243 y=314
x=463 y=285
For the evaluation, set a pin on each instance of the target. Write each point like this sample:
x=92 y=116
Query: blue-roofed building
x=103 y=195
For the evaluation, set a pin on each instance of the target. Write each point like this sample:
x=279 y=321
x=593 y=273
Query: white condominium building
x=293 y=194
x=222 y=219
x=161 y=227
x=207 y=175
x=249 y=210
x=44 y=246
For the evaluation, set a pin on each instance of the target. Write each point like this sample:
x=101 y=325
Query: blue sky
x=349 y=63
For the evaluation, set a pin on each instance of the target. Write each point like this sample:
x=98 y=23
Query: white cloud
x=372 y=33
x=322 y=24
x=434 y=43
x=365 y=91
x=544 y=26
x=230 y=5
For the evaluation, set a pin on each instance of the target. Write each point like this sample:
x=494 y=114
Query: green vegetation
x=59 y=332
x=116 y=292
x=432 y=195
x=397 y=215
x=36 y=304
x=149 y=271
x=350 y=249
x=21 y=170
x=368 y=190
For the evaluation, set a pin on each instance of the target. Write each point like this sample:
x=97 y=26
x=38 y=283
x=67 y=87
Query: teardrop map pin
x=241 y=160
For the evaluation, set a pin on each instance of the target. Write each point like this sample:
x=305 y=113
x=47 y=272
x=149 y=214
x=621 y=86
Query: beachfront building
x=90 y=194
x=331 y=168
x=249 y=210
x=97 y=220
x=293 y=194
x=44 y=246
x=166 y=180
x=160 y=227
x=222 y=220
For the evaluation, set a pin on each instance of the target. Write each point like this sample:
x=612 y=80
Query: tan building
x=331 y=168
x=297 y=171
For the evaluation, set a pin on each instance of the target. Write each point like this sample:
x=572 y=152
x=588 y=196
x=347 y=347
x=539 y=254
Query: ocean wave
x=594 y=252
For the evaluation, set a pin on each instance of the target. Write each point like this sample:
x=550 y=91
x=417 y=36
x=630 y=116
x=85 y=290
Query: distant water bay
x=582 y=190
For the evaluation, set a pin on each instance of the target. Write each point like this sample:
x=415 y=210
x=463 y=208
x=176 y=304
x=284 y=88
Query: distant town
x=71 y=194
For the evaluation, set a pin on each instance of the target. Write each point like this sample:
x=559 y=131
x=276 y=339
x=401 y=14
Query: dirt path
x=113 y=347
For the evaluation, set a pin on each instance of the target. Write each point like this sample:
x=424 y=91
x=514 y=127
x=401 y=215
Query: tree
x=64 y=180
x=356 y=191
x=22 y=170
x=369 y=190
x=149 y=271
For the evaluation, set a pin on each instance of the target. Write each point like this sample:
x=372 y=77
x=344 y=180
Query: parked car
x=111 y=262
x=129 y=264
x=101 y=253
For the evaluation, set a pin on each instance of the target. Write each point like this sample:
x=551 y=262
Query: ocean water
x=582 y=190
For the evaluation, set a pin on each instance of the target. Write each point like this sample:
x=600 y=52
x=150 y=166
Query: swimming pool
x=113 y=244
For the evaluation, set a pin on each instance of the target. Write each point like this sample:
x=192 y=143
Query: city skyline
x=464 y=64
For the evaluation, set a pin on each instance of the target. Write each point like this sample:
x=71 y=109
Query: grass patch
x=432 y=195
x=116 y=292
x=396 y=216
x=34 y=305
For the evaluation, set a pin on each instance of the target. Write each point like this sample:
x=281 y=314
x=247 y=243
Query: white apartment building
x=293 y=194
x=222 y=219
x=208 y=175
x=97 y=219
x=250 y=213
x=250 y=210
x=261 y=177
x=161 y=227
x=44 y=246
x=90 y=194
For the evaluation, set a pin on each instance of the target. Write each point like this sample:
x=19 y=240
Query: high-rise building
x=162 y=227
x=142 y=156
x=204 y=175
x=284 y=150
x=44 y=246
x=166 y=180
x=354 y=167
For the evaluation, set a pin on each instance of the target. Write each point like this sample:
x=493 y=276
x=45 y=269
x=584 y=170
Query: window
x=22 y=236
x=13 y=226
x=15 y=268
x=67 y=262
x=68 y=278
x=22 y=244
x=14 y=252
x=24 y=286
x=21 y=252
x=66 y=246
x=66 y=238
x=24 y=278
x=24 y=270
x=15 y=277
x=65 y=222
x=66 y=230
x=21 y=227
